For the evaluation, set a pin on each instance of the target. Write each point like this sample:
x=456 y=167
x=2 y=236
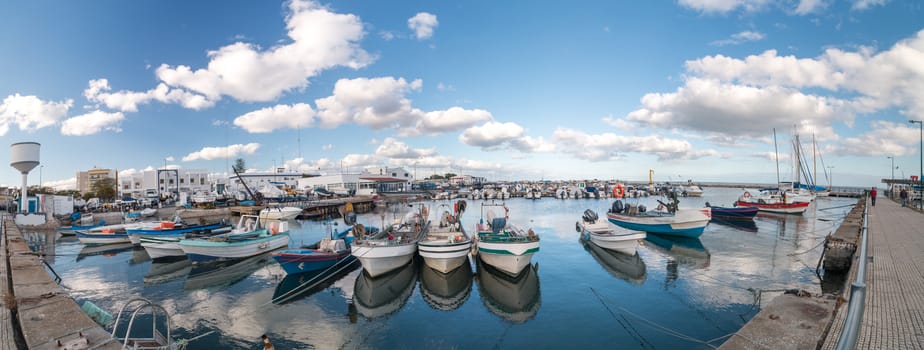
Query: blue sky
x=691 y=89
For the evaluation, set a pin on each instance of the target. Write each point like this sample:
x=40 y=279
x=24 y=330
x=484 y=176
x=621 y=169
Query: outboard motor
x=349 y=218
x=617 y=206
x=642 y=208
x=590 y=216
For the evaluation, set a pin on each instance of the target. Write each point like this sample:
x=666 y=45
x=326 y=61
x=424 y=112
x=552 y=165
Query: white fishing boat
x=280 y=213
x=247 y=239
x=394 y=246
x=159 y=247
x=500 y=244
x=608 y=236
x=446 y=245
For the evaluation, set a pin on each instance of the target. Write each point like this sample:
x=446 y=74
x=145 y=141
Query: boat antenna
x=776 y=152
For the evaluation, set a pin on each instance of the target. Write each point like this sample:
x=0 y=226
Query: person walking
x=872 y=195
x=903 y=195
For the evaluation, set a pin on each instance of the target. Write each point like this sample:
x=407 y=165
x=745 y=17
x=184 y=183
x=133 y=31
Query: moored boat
x=505 y=246
x=668 y=221
x=280 y=213
x=248 y=238
x=86 y=237
x=171 y=229
x=608 y=236
x=733 y=213
x=72 y=230
x=330 y=251
x=392 y=247
x=446 y=245
x=773 y=202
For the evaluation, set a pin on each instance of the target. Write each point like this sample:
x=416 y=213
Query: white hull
x=231 y=251
x=287 y=213
x=442 y=254
x=380 y=259
x=510 y=258
x=163 y=249
x=104 y=240
x=612 y=237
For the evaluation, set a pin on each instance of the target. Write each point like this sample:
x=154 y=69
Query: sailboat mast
x=798 y=165
x=814 y=164
x=776 y=152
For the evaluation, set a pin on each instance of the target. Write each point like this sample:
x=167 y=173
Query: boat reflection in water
x=382 y=295
x=139 y=255
x=103 y=249
x=683 y=250
x=446 y=291
x=302 y=285
x=630 y=268
x=514 y=298
x=224 y=273
x=744 y=225
x=167 y=269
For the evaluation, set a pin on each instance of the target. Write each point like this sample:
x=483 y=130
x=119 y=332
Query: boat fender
x=746 y=195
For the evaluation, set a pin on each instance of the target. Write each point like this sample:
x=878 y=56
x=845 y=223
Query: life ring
x=619 y=191
x=746 y=195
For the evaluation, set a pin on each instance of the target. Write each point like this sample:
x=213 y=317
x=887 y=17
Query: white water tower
x=25 y=157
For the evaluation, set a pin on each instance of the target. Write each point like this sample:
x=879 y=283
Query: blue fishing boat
x=667 y=221
x=247 y=239
x=171 y=229
x=733 y=213
x=328 y=252
x=72 y=230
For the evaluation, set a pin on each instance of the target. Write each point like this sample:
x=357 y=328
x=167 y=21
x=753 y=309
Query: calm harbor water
x=676 y=293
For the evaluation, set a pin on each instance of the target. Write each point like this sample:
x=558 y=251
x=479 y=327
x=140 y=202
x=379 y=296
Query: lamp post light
x=831 y=177
x=892 y=183
x=921 y=174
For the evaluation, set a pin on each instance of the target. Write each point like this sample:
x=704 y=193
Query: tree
x=105 y=189
x=449 y=176
x=239 y=165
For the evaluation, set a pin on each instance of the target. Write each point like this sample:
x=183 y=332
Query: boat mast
x=776 y=152
x=814 y=164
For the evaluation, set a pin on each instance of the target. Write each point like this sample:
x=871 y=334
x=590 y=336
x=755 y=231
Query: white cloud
x=327 y=147
x=609 y=146
x=300 y=165
x=491 y=134
x=232 y=151
x=618 y=123
x=387 y=35
x=452 y=119
x=810 y=6
x=860 y=5
x=361 y=160
x=29 y=113
x=423 y=25
x=377 y=103
x=92 y=123
x=318 y=40
x=393 y=148
x=740 y=38
x=884 y=139
x=169 y=159
x=61 y=185
x=280 y=116
x=128 y=101
x=711 y=106
x=723 y=6
x=445 y=87
x=528 y=144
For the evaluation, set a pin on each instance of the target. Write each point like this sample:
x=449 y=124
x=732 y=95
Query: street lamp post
x=892 y=184
x=921 y=174
x=41 y=183
x=831 y=177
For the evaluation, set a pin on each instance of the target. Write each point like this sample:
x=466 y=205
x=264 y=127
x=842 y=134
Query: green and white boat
x=247 y=239
x=507 y=247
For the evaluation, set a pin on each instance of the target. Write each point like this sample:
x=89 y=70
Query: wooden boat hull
x=200 y=251
x=684 y=223
x=379 y=257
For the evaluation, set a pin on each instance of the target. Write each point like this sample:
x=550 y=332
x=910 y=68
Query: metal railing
x=850 y=331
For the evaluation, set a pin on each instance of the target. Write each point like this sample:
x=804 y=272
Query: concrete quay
x=36 y=312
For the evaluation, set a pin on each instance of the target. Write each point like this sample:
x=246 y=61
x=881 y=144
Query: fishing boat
x=733 y=213
x=328 y=252
x=103 y=237
x=446 y=245
x=392 y=247
x=297 y=286
x=505 y=246
x=166 y=269
x=159 y=247
x=608 y=236
x=280 y=213
x=773 y=201
x=172 y=229
x=667 y=219
x=72 y=230
x=516 y=298
x=247 y=239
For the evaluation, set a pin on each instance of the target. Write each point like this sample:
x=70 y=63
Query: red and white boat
x=773 y=202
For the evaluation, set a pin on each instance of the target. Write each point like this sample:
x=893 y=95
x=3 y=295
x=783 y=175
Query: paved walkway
x=894 y=315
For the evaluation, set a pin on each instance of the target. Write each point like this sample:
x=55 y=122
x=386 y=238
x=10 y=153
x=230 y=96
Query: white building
x=339 y=183
x=466 y=180
x=255 y=181
x=165 y=181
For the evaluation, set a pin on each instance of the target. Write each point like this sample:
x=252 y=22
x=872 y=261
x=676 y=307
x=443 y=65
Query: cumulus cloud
x=302 y=166
x=327 y=147
x=529 y=144
x=423 y=25
x=377 y=103
x=232 y=151
x=884 y=139
x=97 y=91
x=609 y=146
x=280 y=116
x=452 y=119
x=739 y=38
x=62 y=185
x=318 y=40
x=491 y=134
x=393 y=148
x=29 y=113
x=724 y=6
x=92 y=123
x=810 y=6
